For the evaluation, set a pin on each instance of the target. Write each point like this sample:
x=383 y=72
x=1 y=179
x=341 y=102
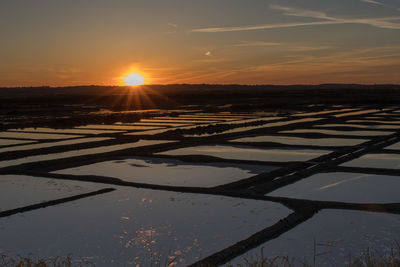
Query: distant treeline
x=179 y=88
x=200 y=94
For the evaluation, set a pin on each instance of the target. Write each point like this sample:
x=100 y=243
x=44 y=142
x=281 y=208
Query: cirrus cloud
x=323 y=19
x=372 y=2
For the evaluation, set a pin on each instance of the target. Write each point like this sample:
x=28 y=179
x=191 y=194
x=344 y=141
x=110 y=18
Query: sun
x=134 y=79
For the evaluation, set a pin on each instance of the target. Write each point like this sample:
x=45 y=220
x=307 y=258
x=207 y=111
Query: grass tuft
x=367 y=259
x=7 y=260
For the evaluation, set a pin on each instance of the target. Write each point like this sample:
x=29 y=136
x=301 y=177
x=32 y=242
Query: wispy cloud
x=285 y=46
x=372 y=2
x=172 y=25
x=297 y=12
x=262 y=27
x=358 y=65
x=304 y=48
x=324 y=19
x=383 y=22
x=248 y=44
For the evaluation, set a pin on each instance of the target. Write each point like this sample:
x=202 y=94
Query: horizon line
x=202 y=84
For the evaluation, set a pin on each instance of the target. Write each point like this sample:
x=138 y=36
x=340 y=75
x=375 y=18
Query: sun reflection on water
x=149 y=239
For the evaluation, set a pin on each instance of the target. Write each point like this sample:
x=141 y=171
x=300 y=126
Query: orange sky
x=74 y=42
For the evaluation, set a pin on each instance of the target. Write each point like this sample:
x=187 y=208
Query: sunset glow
x=270 y=42
x=134 y=79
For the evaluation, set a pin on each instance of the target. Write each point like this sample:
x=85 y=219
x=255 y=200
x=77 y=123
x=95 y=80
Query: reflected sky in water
x=169 y=172
x=335 y=132
x=289 y=140
x=81 y=152
x=8 y=142
x=38 y=136
x=344 y=187
x=339 y=234
x=65 y=131
x=17 y=191
x=249 y=153
x=137 y=226
x=54 y=144
x=386 y=161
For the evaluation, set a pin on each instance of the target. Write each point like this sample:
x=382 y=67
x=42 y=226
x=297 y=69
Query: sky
x=84 y=42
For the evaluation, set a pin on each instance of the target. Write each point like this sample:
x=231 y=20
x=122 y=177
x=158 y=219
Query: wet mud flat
x=204 y=188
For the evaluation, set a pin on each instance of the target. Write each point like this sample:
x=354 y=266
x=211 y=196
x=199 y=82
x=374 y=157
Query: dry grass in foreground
x=367 y=259
x=7 y=260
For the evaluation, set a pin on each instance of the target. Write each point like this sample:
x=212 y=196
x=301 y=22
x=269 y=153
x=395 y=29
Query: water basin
x=249 y=153
x=169 y=172
x=356 y=113
x=386 y=161
x=54 y=144
x=335 y=132
x=138 y=227
x=9 y=142
x=289 y=140
x=81 y=152
x=19 y=190
x=65 y=131
x=176 y=121
x=338 y=234
x=344 y=187
x=382 y=126
x=35 y=136
x=118 y=127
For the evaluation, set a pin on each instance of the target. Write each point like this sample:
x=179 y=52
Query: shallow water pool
x=132 y=226
x=169 y=172
x=249 y=153
x=344 y=187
